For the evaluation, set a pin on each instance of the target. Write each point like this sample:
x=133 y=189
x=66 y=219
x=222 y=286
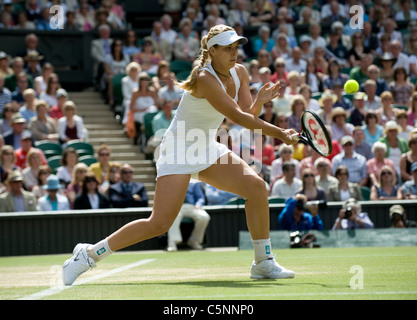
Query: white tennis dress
x=189 y=144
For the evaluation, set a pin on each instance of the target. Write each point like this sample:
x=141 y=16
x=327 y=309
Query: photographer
x=299 y=215
x=398 y=218
x=351 y=217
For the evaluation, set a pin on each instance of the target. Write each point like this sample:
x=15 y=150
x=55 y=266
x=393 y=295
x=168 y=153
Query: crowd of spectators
x=373 y=131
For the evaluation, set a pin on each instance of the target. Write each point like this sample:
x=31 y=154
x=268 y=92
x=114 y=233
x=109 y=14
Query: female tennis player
x=217 y=88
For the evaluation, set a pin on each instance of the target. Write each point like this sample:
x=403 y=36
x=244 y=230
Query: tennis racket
x=314 y=133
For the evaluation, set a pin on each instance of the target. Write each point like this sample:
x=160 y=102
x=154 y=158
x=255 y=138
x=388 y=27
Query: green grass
x=388 y=273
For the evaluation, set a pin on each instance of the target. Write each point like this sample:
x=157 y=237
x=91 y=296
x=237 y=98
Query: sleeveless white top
x=189 y=144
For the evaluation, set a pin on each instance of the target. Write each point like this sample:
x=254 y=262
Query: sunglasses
x=308 y=175
x=126 y=172
x=385 y=173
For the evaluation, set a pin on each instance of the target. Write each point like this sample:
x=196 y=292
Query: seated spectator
x=412 y=109
x=285 y=154
x=191 y=208
x=186 y=47
x=298 y=106
x=268 y=154
x=295 y=63
x=324 y=179
x=13 y=137
x=295 y=215
x=282 y=104
x=357 y=115
x=28 y=110
x=408 y=158
x=75 y=186
x=171 y=91
x=16 y=199
x=373 y=74
x=69 y=159
x=99 y=49
x=372 y=100
x=402 y=120
x=33 y=67
x=90 y=197
x=102 y=166
x=401 y=88
x=309 y=187
x=355 y=162
x=130 y=82
x=30 y=173
x=50 y=93
x=10 y=81
x=41 y=82
x=374 y=165
x=42 y=126
x=287 y=186
x=326 y=101
x=5 y=69
x=306 y=92
x=396 y=145
x=127 y=193
x=7 y=164
x=263 y=40
x=216 y=196
x=26 y=147
x=280 y=74
x=334 y=75
x=54 y=200
x=409 y=188
x=71 y=126
x=21 y=85
x=361 y=146
x=85 y=17
x=144 y=100
x=159 y=80
x=56 y=111
x=352 y=217
x=344 y=189
x=387 y=61
x=340 y=127
x=372 y=130
x=398 y=218
x=386 y=188
x=161 y=45
x=160 y=122
x=113 y=176
x=115 y=63
x=360 y=72
x=310 y=156
x=6 y=120
x=43 y=174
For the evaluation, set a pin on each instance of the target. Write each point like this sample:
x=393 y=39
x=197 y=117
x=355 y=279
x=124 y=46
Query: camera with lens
x=395 y=217
x=348 y=212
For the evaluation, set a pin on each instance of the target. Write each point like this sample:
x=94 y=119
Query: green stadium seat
x=117 y=88
x=88 y=159
x=366 y=193
x=236 y=201
x=148 y=123
x=54 y=163
x=276 y=200
x=49 y=148
x=177 y=66
x=83 y=148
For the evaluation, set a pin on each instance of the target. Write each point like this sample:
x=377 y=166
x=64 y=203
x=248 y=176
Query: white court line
x=288 y=295
x=58 y=289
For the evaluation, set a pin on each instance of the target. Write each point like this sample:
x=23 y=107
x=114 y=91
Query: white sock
x=263 y=251
x=100 y=250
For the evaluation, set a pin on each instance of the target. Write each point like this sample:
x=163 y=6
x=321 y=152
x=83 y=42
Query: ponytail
x=191 y=83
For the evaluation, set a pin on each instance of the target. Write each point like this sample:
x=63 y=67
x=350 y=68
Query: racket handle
x=295 y=137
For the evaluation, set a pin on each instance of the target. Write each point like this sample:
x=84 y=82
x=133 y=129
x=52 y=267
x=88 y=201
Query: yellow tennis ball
x=351 y=86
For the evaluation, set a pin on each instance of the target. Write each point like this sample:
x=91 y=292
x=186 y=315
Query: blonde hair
x=191 y=83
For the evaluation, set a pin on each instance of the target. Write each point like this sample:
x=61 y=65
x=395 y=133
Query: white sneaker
x=172 y=247
x=194 y=245
x=270 y=269
x=79 y=263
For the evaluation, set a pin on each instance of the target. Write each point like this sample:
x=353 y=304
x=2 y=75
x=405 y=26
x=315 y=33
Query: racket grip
x=295 y=137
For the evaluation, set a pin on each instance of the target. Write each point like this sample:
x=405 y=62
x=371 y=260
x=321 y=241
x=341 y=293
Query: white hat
x=225 y=38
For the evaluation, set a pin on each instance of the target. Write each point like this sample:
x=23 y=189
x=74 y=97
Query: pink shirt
x=372 y=166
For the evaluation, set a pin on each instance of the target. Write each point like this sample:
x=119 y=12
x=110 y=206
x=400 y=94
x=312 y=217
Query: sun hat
x=15 y=175
x=52 y=183
x=225 y=38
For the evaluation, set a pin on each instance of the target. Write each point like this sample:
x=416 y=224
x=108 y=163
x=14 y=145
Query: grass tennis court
x=324 y=273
